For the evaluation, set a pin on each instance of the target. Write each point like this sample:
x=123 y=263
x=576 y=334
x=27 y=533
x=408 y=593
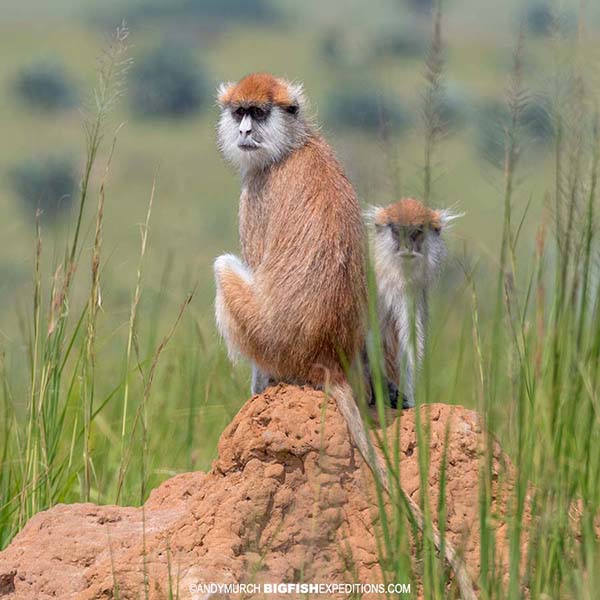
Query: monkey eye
x=416 y=234
x=293 y=109
x=258 y=113
x=240 y=112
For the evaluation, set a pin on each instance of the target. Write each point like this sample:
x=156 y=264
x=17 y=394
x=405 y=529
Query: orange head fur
x=259 y=89
x=409 y=212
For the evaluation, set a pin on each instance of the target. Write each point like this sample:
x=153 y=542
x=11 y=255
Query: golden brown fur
x=302 y=237
x=302 y=308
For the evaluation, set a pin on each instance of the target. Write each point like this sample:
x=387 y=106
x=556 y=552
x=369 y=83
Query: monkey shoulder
x=253 y=225
x=315 y=170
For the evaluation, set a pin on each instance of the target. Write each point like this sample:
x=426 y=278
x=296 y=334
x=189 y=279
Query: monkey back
x=302 y=235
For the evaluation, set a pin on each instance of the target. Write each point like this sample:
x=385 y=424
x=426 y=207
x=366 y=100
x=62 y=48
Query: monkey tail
x=344 y=397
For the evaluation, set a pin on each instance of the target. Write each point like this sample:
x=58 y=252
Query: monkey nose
x=246 y=126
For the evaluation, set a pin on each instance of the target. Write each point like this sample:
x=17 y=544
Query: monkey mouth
x=409 y=255
x=247 y=145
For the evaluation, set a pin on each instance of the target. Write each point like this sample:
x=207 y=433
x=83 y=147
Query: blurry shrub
x=47 y=183
x=365 y=46
x=535 y=126
x=168 y=82
x=45 y=85
x=493 y=119
x=349 y=48
x=405 y=43
x=366 y=111
x=422 y=6
x=536 y=120
x=539 y=18
x=331 y=47
x=226 y=11
x=453 y=107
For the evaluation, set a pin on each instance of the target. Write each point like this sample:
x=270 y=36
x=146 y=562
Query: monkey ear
x=224 y=91
x=370 y=214
x=445 y=217
x=297 y=95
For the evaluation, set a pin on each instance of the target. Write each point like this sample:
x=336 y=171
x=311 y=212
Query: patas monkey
x=408 y=253
x=295 y=304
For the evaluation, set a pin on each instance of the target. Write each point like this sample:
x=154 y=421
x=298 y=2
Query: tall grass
x=108 y=411
x=89 y=425
x=534 y=350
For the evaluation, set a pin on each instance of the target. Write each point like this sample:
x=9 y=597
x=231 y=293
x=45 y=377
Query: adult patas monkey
x=295 y=305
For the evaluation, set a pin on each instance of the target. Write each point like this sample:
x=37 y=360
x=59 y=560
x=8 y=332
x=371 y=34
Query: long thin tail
x=344 y=397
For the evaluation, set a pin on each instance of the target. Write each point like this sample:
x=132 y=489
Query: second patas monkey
x=408 y=253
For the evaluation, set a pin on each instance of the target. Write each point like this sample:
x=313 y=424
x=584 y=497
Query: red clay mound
x=288 y=499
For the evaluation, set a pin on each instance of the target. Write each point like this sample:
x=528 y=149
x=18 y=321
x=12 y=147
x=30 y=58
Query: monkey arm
x=411 y=332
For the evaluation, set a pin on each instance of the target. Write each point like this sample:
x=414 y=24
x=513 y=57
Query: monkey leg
x=407 y=402
x=405 y=368
x=237 y=309
x=389 y=385
x=413 y=346
x=393 y=394
x=243 y=321
x=408 y=396
x=260 y=380
x=367 y=377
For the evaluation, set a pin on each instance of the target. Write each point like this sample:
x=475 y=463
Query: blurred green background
x=357 y=60
x=362 y=66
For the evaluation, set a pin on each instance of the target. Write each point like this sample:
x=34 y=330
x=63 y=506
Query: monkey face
x=262 y=120
x=252 y=123
x=408 y=244
x=408 y=240
x=410 y=253
x=256 y=136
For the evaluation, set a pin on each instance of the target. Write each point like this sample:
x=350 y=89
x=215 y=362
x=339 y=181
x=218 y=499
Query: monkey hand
x=407 y=402
x=392 y=394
